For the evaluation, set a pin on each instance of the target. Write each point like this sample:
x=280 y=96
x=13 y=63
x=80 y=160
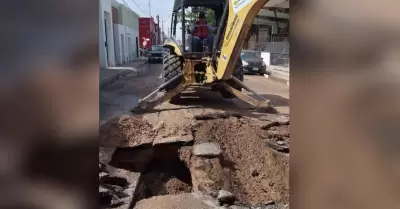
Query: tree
x=191 y=17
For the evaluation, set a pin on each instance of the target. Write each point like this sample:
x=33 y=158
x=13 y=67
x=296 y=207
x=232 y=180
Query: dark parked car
x=253 y=63
x=155 y=54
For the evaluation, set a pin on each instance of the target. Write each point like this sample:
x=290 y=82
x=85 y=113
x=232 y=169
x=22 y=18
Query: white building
x=118 y=34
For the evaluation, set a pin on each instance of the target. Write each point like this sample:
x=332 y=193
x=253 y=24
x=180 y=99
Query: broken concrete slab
x=103 y=174
x=225 y=196
x=279 y=148
x=217 y=115
x=173 y=139
x=269 y=124
x=122 y=184
x=181 y=201
x=207 y=199
x=105 y=154
x=281 y=119
x=208 y=149
x=238 y=207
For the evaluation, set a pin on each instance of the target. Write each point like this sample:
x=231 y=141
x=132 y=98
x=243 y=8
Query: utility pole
x=158 y=29
x=149 y=8
x=162 y=29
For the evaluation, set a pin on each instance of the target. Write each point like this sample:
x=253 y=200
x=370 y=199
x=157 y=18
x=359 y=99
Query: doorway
x=129 y=48
x=123 y=48
x=105 y=40
x=137 y=47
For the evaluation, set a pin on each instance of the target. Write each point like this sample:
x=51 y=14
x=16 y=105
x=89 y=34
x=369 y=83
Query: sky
x=160 y=7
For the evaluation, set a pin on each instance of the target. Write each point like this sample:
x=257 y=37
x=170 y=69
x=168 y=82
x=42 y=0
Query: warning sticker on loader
x=239 y=4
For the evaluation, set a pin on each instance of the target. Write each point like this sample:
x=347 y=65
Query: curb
x=122 y=74
x=281 y=80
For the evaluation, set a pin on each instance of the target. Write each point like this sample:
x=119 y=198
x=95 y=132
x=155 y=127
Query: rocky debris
x=217 y=115
x=207 y=199
x=250 y=169
x=269 y=124
x=170 y=167
x=104 y=192
x=173 y=139
x=208 y=149
x=125 y=131
x=215 y=204
x=281 y=119
x=105 y=154
x=116 y=187
x=181 y=201
x=268 y=205
x=103 y=174
x=280 y=131
x=185 y=154
x=238 y=207
x=225 y=197
x=207 y=175
x=279 y=148
x=159 y=126
x=277 y=138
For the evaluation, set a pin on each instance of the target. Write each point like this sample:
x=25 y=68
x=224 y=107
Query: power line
x=138 y=6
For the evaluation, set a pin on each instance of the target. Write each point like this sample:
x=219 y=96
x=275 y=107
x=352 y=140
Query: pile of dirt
x=126 y=131
x=255 y=173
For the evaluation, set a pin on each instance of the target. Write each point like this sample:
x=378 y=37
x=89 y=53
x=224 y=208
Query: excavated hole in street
x=255 y=173
x=166 y=174
x=162 y=171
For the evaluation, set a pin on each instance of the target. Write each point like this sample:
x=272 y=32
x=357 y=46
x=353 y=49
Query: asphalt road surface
x=121 y=96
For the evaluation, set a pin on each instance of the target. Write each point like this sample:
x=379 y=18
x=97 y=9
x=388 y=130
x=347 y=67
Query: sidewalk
x=112 y=74
x=279 y=73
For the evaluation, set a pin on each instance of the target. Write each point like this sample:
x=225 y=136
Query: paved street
x=122 y=95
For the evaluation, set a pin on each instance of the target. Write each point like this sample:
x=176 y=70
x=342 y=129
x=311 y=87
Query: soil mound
x=126 y=131
x=255 y=172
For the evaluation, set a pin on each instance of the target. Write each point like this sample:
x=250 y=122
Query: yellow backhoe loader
x=219 y=67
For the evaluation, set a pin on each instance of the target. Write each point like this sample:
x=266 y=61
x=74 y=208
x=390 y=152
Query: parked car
x=253 y=63
x=155 y=54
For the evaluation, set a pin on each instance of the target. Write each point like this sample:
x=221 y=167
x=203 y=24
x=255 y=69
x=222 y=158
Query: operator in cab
x=200 y=31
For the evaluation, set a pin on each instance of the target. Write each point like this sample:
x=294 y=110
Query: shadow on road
x=276 y=100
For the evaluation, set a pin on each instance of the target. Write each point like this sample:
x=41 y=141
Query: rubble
x=207 y=150
x=173 y=139
x=228 y=157
x=281 y=119
x=116 y=189
x=217 y=115
x=225 y=197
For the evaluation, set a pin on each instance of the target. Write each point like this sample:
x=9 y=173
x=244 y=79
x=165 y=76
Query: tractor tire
x=238 y=73
x=172 y=66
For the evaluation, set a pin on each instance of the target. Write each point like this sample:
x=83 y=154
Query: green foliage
x=191 y=17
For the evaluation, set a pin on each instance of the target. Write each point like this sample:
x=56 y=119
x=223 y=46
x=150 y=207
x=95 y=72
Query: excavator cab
x=219 y=68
